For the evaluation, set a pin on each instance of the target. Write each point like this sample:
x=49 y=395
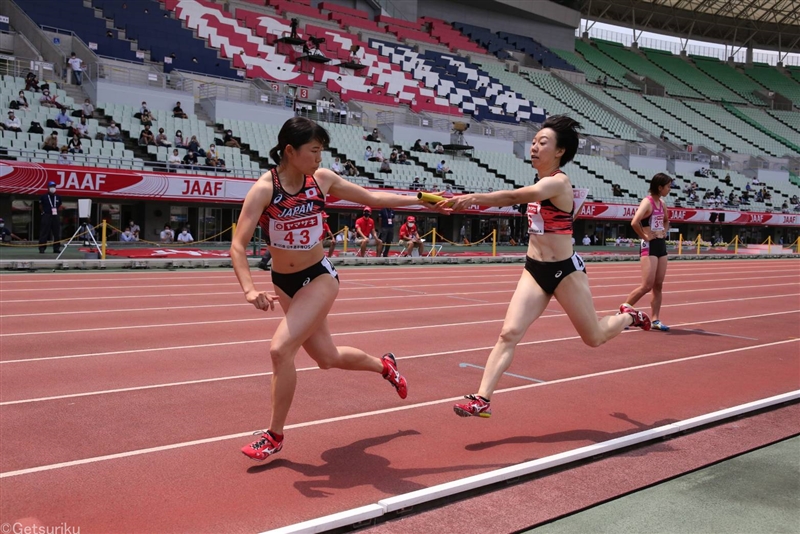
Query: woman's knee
x=510 y=335
x=281 y=353
x=593 y=339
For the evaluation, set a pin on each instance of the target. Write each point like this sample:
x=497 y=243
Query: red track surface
x=124 y=397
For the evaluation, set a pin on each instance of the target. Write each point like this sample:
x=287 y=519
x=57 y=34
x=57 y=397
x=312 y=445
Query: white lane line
x=150 y=450
x=346 y=299
x=358 y=312
x=228 y=343
x=461 y=280
x=347 y=281
x=410 y=357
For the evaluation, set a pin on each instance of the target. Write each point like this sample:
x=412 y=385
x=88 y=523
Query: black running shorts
x=293 y=282
x=548 y=274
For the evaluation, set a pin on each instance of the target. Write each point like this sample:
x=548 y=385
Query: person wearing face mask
x=365 y=229
x=5 y=233
x=134 y=229
x=185 y=236
x=127 y=236
x=50 y=228
x=409 y=237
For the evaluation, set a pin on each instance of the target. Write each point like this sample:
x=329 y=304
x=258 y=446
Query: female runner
x=551 y=268
x=289 y=201
x=651 y=223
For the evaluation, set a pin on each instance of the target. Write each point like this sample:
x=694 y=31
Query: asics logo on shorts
x=306 y=281
x=558 y=274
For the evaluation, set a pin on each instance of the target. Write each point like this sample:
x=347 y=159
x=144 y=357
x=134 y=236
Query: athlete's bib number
x=535 y=221
x=296 y=234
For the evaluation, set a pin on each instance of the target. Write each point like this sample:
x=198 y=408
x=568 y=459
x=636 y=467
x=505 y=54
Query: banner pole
x=680 y=244
x=494 y=242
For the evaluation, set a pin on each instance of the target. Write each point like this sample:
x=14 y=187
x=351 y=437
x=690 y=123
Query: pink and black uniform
x=545 y=218
x=657 y=247
x=293 y=221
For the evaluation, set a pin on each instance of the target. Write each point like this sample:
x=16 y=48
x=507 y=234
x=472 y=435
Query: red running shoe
x=394 y=377
x=475 y=406
x=264 y=447
x=640 y=318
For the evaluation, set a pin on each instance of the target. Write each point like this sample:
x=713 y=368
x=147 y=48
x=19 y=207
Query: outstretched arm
x=532 y=193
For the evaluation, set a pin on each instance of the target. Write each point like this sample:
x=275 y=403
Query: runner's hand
x=261 y=299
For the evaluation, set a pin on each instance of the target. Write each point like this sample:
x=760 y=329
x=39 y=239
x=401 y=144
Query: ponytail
x=275 y=154
x=296 y=132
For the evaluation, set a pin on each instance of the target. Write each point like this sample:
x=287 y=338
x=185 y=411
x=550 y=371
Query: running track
x=125 y=396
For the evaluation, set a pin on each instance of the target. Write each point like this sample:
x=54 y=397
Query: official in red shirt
x=328 y=239
x=409 y=237
x=365 y=229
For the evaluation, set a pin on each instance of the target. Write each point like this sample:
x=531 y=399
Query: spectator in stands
x=51 y=143
x=146 y=137
x=415 y=185
x=76 y=64
x=185 y=236
x=82 y=129
x=350 y=168
x=13 y=123
x=293 y=28
x=795 y=200
x=418 y=146
x=448 y=189
x=178 y=112
x=161 y=138
x=143 y=109
x=167 y=235
x=74 y=146
x=439 y=149
x=22 y=102
x=617 y=190
x=64 y=157
x=87 y=110
x=134 y=228
x=146 y=118
x=727 y=179
x=32 y=82
x=174 y=161
x=393 y=156
x=378 y=156
x=442 y=169
x=402 y=158
x=374 y=136
x=663 y=136
x=47 y=100
x=127 y=236
x=586 y=241
x=368 y=154
x=113 y=133
x=785 y=207
x=178 y=141
x=62 y=119
x=194 y=146
x=211 y=156
x=190 y=160
x=337 y=167
x=385 y=167
x=427 y=148
x=229 y=140
x=756 y=181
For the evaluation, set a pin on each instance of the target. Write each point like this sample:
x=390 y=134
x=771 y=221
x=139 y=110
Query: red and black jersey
x=545 y=218
x=294 y=221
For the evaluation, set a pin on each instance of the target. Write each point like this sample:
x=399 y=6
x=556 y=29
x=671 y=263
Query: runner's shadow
x=597 y=436
x=352 y=466
x=689 y=332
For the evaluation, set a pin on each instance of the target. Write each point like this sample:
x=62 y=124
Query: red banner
x=23 y=178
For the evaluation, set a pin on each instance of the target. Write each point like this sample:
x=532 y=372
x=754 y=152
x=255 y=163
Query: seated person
x=146 y=118
x=74 y=146
x=22 y=102
x=161 y=138
x=229 y=140
x=190 y=159
x=87 y=110
x=167 y=235
x=51 y=143
x=439 y=149
x=174 y=160
x=49 y=100
x=63 y=120
x=6 y=235
x=374 y=137
x=178 y=112
x=442 y=169
x=365 y=231
x=402 y=159
x=194 y=146
x=350 y=168
x=337 y=167
x=368 y=156
x=178 y=141
x=409 y=237
x=185 y=236
x=13 y=123
x=31 y=82
x=64 y=157
x=128 y=236
x=82 y=129
x=113 y=133
x=146 y=137
x=393 y=157
x=385 y=167
x=417 y=146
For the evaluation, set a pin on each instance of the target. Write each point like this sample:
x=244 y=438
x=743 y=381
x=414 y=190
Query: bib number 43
x=304 y=237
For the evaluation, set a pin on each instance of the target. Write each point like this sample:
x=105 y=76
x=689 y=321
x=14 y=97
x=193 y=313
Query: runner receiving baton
x=551 y=267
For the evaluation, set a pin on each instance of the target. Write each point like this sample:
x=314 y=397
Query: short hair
x=566 y=129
